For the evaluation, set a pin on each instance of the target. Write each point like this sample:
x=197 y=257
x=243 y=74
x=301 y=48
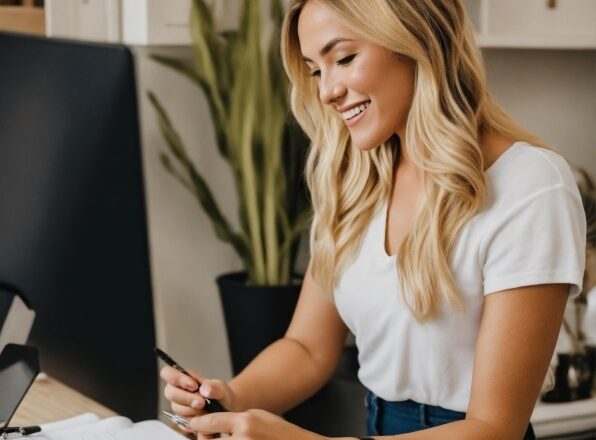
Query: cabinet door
x=153 y=22
x=92 y=20
x=575 y=18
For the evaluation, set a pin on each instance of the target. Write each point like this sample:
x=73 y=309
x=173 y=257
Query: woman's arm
x=517 y=337
x=295 y=367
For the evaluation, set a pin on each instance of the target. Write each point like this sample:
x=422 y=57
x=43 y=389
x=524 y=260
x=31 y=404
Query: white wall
x=553 y=93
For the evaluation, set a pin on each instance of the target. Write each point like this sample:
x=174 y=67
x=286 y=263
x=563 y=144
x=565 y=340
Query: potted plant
x=575 y=370
x=247 y=92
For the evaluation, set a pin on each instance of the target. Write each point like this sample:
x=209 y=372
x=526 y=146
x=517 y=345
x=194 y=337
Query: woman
x=443 y=236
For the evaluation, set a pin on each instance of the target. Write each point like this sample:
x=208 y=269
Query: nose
x=331 y=89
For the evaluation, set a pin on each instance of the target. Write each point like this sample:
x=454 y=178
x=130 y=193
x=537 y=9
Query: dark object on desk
x=338 y=409
x=72 y=215
x=574 y=376
x=335 y=411
x=19 y=365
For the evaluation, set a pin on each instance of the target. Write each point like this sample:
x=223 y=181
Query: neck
x=405 y=163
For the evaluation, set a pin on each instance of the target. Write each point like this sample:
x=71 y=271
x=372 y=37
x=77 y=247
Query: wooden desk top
x=49 y=400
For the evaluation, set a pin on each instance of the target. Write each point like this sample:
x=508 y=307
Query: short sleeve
x=540 y=240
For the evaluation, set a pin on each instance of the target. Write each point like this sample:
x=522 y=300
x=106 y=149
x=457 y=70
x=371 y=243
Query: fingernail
x=189 y=385
x=195 y=404
x=205 y=390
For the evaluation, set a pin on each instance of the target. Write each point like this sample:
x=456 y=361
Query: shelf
x=578 y=42
x=563 y=418
x=25 y=19
x=533 y=24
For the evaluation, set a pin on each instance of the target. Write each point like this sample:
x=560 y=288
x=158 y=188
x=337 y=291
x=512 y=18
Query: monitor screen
x=73 y=227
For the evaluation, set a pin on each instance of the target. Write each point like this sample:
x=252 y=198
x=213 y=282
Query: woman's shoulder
x=524 y=170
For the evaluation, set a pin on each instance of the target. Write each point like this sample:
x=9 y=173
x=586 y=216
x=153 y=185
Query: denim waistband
x=398 y=417
x=427 y=415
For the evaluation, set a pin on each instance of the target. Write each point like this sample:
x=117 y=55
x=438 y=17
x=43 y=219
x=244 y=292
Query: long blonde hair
x=450 y=110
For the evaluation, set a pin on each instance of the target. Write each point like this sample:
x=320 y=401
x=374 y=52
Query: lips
x=349 y=112
x=353 y=115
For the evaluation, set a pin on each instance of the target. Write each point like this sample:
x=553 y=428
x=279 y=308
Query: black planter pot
x=574 y=377
x=255 y=316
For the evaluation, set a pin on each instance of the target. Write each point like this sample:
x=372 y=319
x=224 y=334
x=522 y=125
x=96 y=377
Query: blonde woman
x=445 y=237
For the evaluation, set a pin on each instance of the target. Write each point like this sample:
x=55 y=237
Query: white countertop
x=551 y=419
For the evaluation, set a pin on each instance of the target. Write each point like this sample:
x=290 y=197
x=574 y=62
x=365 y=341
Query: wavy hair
x=450 y=110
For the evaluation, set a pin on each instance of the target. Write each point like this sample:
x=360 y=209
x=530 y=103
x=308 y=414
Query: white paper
x=79 y=420
x=89 y=427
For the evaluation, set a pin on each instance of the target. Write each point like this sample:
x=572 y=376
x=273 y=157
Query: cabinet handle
x=552 y=4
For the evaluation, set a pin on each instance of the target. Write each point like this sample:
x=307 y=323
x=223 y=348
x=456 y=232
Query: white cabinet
x=92 y=20
x=544 y=24
x=155 y=22
x=541 y=24
x=134 y=22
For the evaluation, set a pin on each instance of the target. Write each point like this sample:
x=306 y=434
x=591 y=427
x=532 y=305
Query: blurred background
x=540 y=58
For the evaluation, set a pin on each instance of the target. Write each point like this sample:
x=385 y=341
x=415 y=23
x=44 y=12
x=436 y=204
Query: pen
x=25 y=430
x=211 y=405
x=176 y=419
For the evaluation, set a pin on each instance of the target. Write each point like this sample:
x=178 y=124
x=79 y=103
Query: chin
x=368 y=143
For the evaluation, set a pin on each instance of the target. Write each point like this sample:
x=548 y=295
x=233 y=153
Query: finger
x=214 y=423
x=182 y=397
x=176 y=378
x=186 y=411
x=213 y=389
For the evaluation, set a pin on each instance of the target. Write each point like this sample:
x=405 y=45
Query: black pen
x=25 y=430
x=211 y=405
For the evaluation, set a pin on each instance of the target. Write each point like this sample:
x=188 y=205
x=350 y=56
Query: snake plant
x=247 y=92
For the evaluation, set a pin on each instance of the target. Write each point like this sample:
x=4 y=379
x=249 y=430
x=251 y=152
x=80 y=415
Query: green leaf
x=247 y=93
x=196 y=182
x=190 y=73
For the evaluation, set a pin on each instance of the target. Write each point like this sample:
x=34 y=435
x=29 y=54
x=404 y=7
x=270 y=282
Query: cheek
x=358 y=81
x=395 y=99
x=377 y=129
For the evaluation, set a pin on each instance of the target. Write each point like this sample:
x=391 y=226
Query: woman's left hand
x=254 y=424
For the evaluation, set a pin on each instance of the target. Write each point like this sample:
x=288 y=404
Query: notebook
x=90 y=427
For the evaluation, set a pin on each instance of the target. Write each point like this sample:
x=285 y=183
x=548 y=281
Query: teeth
x=349 y=114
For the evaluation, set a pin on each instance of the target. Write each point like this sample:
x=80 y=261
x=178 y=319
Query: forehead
x=317 y=25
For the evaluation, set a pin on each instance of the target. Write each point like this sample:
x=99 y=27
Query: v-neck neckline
x=385 y=206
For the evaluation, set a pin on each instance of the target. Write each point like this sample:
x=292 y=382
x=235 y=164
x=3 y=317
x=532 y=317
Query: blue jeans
x=392 y=418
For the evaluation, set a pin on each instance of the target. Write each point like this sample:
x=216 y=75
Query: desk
x=49 y=400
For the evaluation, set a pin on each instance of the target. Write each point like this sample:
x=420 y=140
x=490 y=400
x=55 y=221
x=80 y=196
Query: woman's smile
x=355 y=113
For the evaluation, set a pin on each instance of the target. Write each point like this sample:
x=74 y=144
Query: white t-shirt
x=531 y=231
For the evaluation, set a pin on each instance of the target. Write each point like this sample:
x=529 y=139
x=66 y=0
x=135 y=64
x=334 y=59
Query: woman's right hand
x=186 y=394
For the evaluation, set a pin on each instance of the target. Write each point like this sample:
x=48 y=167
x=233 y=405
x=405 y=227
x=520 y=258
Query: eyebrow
x=328 y=47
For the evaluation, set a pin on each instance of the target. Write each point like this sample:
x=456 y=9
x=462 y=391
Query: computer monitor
x=73 y=227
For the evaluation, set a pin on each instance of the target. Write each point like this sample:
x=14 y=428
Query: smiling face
x=368 y=85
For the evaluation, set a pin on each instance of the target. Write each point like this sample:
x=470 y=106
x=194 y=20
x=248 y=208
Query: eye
x=346 y=60
x=315 y=73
